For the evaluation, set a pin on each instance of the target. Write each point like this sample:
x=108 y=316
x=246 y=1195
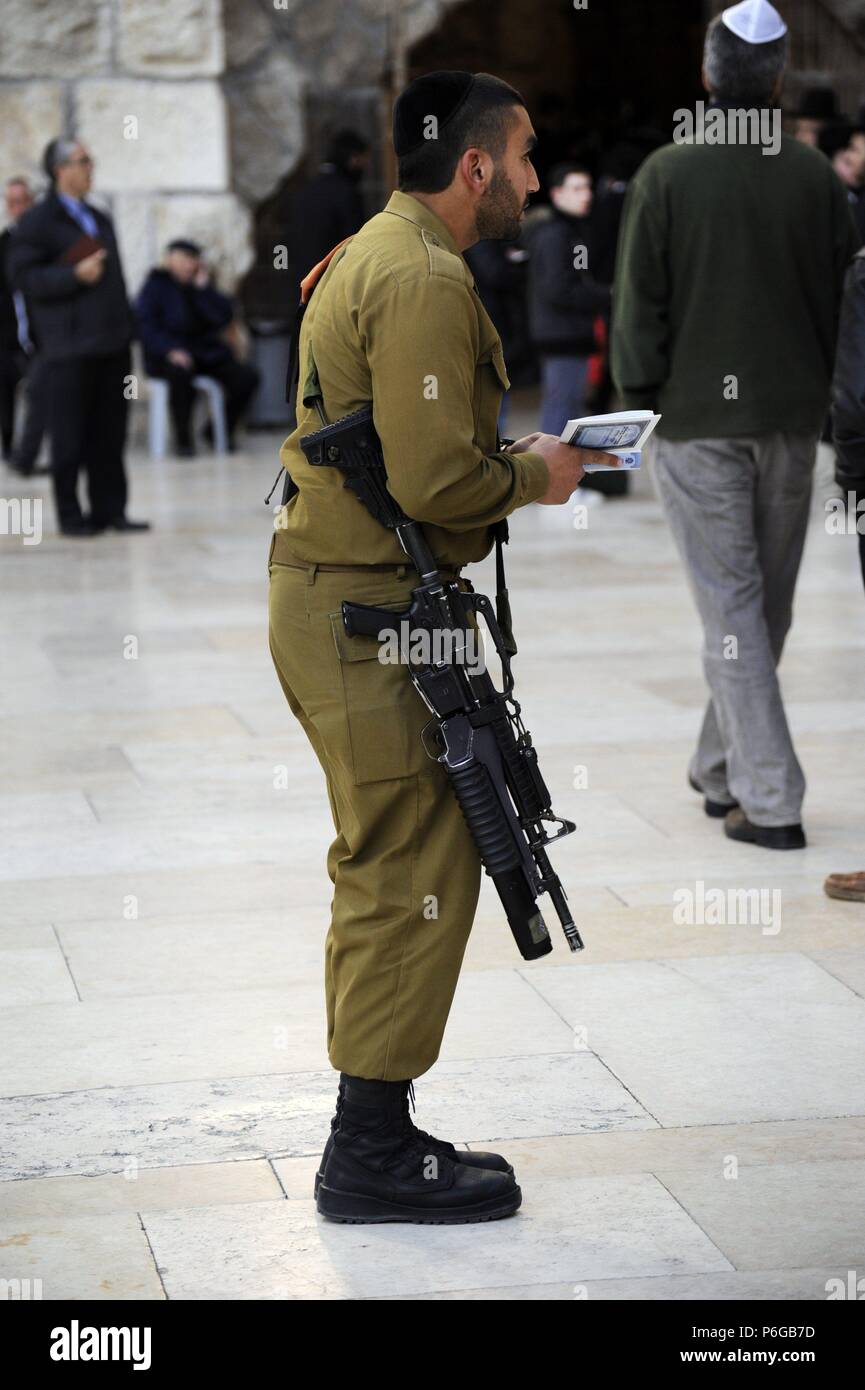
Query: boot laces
x=411 y=1145
x=415 y=1141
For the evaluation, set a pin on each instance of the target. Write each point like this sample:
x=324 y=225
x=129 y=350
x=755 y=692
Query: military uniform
x=395 y=319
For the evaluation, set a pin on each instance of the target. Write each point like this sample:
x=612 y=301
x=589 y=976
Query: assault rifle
x=476 y=732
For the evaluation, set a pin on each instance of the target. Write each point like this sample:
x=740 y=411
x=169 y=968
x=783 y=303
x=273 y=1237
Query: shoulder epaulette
x=442 y=261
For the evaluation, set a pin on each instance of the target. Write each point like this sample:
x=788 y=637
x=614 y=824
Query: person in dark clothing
x=330 y=206
x=817 y=109
x=564 y=297
x=844 y=147
x=64 y=259
x=12 y=356
x=19 y=359
x=500 y=269
x=848 y=421
x=618 y=168
x=182 y=323
x=11 y=352
x=327 y=209
x=25 y=453
x=848 y=397
x=855 y=171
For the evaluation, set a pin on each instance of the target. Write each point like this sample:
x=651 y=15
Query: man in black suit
x=63 y=257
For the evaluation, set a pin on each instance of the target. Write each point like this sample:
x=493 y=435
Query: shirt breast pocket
x=491 y=382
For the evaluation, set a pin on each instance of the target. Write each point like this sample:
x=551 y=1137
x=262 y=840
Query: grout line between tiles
x=153 y=1257
x=68 y=967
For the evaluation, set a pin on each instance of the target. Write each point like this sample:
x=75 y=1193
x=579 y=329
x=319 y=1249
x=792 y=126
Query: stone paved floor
x=684 y=1103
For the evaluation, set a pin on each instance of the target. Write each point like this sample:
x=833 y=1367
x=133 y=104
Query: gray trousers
x=738 y=510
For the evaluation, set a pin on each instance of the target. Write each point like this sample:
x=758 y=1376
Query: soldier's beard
x=498 y=216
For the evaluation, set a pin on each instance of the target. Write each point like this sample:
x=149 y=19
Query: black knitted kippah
x=439 y=94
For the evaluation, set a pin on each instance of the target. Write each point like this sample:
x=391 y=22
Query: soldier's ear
x=476 y=167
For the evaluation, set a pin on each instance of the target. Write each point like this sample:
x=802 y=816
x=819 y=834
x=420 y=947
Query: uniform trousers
x=404 y=869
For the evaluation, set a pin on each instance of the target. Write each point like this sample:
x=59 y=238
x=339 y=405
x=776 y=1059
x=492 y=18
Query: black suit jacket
x=8 y=319
x=70 y=319
x=848 y=386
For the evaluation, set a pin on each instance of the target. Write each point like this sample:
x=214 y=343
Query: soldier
x=396 y=319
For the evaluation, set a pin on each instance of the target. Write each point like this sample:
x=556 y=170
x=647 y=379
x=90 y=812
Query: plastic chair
x=157 y=418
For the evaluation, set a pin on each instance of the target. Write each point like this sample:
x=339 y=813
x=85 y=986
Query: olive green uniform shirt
x=396 y=319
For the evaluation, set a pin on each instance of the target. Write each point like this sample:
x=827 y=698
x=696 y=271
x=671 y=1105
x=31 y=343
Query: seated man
x=183 y=323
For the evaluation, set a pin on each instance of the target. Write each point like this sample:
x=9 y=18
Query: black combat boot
x=470 y=1157
x=333 y=1128
x=380 y=1169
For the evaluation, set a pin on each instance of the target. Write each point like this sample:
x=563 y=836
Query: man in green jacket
x=396 y=319
x=725 y=312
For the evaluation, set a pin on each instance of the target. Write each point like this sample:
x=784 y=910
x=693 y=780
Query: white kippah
x=755 y=21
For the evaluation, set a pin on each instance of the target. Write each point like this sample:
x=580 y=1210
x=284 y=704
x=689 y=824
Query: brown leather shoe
x=738 y=827
x=850 y=887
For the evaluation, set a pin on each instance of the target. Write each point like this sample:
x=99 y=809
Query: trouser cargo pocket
x=384 y=713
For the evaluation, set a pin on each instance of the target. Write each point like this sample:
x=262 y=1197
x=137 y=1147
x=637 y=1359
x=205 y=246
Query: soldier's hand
x=565 y=466
x=519 y=446
x=90 y=269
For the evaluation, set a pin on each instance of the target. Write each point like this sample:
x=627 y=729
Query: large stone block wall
x=279 y=50
x=193 y=110
x=140 y=81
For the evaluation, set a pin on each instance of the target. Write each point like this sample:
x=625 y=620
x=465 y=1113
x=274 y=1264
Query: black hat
x=835 y=136
x=818 y=104
x=183 y=244
x=439 y=94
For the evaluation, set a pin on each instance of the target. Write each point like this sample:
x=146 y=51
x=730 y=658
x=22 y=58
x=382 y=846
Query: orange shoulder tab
x=312 y=277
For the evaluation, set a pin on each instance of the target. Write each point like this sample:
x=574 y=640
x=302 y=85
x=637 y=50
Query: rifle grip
x=364 y=620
